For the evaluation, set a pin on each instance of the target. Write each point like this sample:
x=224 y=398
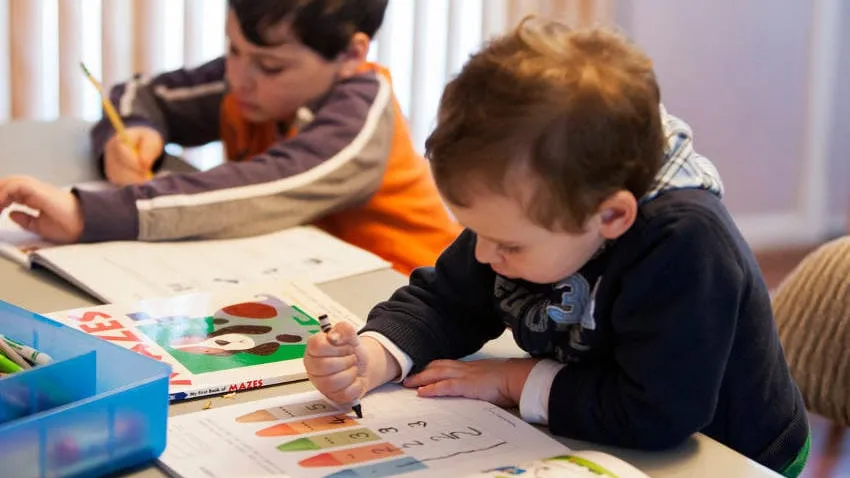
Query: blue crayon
x=378 y=470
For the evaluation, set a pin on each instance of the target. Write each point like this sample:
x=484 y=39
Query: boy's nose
x=486 y=251
x=237 y=75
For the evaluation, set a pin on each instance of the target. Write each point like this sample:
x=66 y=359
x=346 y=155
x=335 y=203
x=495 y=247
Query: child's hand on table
x=125 y=165
x=498 y=381
x=60 y=218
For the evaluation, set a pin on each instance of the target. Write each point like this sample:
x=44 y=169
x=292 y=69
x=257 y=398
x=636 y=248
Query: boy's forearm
x=516 y=375
x=382 y=366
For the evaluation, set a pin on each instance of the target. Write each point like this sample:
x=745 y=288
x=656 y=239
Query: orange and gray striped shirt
x=346 y=165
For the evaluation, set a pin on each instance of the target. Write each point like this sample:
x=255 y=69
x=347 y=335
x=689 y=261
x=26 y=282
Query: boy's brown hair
x=325 y=26
x=579 y=109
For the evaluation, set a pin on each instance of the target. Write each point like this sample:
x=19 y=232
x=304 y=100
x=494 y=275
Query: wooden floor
x=830 y=455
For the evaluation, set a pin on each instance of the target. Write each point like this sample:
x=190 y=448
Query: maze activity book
x=228 y=340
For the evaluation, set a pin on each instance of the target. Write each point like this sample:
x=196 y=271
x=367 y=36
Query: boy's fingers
x=319 y=346
x=22 y=191
x=26 y=221
x=348 y=394
x=362 y=358
x=344 y=333
x=123 y=165
x=330 y=365
x=434 y=372
x=444 y=388
x=340 y=381
x=131 y=159
x=149 y=148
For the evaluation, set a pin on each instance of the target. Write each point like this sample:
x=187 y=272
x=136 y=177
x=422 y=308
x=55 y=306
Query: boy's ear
x=617 y=214
x=353 y=57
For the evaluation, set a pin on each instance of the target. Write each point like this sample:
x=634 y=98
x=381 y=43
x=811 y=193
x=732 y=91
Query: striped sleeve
x=336 y=161
x=183 y=105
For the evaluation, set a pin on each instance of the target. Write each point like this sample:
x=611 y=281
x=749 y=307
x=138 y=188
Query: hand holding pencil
x=129 y=155
x=124 y=165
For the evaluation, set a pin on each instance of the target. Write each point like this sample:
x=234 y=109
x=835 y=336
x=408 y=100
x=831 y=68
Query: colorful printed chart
x=306 y=436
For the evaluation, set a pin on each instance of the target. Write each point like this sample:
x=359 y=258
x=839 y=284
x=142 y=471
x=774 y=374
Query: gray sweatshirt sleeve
x=183 y=105
x=336 y=161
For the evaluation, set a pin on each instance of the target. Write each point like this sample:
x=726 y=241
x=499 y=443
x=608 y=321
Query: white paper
x=399 y=433
x=15 y=242
x=127 y=271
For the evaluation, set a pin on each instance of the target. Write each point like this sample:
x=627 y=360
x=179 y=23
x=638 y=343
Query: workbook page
x=127 y=271
x=15 y=242
x=304 y=435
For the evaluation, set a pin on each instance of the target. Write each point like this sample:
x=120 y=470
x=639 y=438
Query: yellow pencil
x=109 y=108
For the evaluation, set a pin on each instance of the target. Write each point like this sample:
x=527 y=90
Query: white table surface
x=23 y=150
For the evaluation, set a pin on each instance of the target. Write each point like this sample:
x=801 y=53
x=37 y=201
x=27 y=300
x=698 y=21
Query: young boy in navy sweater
x=596 y=234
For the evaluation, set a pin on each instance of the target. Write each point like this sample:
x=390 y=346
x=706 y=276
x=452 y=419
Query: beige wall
x=752 y=78
x=839 y=150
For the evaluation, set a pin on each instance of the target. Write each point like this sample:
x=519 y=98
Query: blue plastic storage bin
x=95 y=409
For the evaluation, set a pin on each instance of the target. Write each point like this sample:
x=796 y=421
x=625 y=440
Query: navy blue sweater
x=669 y=331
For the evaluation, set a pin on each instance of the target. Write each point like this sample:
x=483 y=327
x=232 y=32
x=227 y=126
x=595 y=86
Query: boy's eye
x=510 y=249
x=269 y=69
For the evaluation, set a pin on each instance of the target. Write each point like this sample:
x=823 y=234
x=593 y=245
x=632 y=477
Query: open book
x=127 y=271
x=305 y=435
x=218 y=342
x=16 y=243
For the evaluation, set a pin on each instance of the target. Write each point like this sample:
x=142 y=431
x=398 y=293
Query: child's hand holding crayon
x=344 y=366
x=129 y=160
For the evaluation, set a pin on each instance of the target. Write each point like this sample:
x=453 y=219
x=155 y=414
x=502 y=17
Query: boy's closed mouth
x=246 y=105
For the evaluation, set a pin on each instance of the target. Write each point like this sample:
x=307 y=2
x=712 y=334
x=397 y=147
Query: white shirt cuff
x=403 y=360
x=534 y=400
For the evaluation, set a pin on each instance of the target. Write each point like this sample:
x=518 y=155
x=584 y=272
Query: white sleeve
x=534 y=400
x=404 y=361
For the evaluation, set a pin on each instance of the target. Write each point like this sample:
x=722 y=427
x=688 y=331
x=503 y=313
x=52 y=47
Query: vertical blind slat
x=26 y=66
x=383 y=39
x=518 y=9
x=494 y=18
x=455 y=24
x=464 y=36
x=428 y=73
x=193 y=32
x=116 y=34
x=70 y=53
x=548 y=9
x=148 y=38
x=5 y=63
